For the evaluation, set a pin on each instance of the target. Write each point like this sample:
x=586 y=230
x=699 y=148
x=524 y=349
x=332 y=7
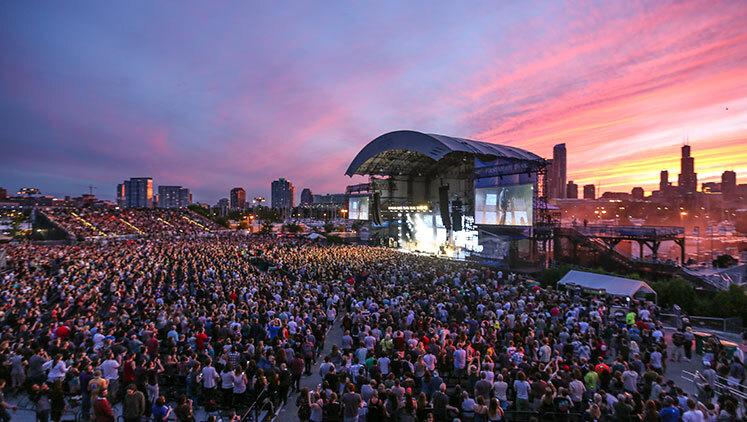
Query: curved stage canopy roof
x=407 y=151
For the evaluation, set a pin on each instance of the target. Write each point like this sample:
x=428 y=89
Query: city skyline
x=91 y=98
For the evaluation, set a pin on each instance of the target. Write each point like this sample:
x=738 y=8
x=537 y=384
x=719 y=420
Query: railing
x=629 y=230
x=721 y=387
x=726 y=325
x=253 y=412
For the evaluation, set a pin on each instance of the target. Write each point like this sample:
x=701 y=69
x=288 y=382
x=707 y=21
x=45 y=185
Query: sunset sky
x=212 y=95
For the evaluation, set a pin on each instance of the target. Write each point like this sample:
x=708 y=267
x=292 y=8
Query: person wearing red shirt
x=128 y=372
x=152 y=345
x=62 y=331
x=201 y=339
x=102 y=409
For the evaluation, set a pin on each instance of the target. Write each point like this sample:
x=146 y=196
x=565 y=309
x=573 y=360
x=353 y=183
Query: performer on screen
x=504 y=202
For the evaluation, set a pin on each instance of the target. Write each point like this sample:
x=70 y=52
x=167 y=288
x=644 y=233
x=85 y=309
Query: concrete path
x=290 y=411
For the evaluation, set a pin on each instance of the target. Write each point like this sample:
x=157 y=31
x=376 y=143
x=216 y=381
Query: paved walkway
x=290 y=411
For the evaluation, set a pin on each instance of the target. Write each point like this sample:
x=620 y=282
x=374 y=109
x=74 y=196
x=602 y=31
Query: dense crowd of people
x=102 y=222
x=164 y=325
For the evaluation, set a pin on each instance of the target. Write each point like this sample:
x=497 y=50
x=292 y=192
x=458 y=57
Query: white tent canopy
x=615 y=286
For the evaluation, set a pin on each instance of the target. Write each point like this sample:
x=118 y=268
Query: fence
x=724 y=325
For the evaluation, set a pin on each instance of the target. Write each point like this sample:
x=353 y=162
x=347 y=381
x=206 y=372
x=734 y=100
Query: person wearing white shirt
x=384 y=365
x=460 y=359
x=657 y=335
x=521 y=387
x=326 y=367
x=57 y=369
x=98 y=340
x=644 y=314
x=430 y=361
x=630 y=380
x=693 y=414
x=110 y=371
x=209 y=378
x=545 y=353
x=656 y=361
x=226 y=385
x=369 y=341
x=361 y=353
x=576 y=388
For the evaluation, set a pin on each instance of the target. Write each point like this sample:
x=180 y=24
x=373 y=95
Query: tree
x=292 y=228
x=551 y=276
x=724 y=261
x=267 y=214
x=731 y=303
x=266 y=228
x=329 y=227
x=676 y=291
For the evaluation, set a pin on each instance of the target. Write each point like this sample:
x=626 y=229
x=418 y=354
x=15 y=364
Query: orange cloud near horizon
x=624 y=94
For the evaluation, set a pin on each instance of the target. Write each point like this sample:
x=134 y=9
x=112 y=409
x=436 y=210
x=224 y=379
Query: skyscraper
x=222 y=207
x=637 y=193
x=282 y=194
x=139 y=192
x=729 y=182
x=173 y=197
x=238 y=198
x=571 y=190
x=664 y=181
x=121 y=195
x=307 y=198
x=559 y=170
x=688 y=179
x=589 y=192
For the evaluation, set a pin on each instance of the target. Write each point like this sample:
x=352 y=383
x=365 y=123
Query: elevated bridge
x=602 y=240
x=646 y=236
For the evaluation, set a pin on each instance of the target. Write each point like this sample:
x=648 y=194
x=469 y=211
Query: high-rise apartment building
x=121 y=195
x=664 y=181
x=571 y=190
x=173 y=197
x=589 y=192
x=238 y=198
x=559 y=171
x=282 y=194
x=307 y=198
x=729 y=182
x=688 y=179
x=222 y=207
x=138 y=192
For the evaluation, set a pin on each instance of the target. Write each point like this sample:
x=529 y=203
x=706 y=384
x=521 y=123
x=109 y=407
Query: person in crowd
x=133 y=404
x=102 y=409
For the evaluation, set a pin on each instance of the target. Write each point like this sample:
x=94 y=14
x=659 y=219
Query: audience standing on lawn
x=166 y=324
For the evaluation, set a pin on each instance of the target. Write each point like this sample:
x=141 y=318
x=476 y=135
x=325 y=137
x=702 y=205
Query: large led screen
x=358 y=208
x=504 y=205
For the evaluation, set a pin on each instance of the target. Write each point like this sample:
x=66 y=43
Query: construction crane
x=90 y=189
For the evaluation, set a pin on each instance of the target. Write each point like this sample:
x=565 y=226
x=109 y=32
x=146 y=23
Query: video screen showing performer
x=504 y=205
